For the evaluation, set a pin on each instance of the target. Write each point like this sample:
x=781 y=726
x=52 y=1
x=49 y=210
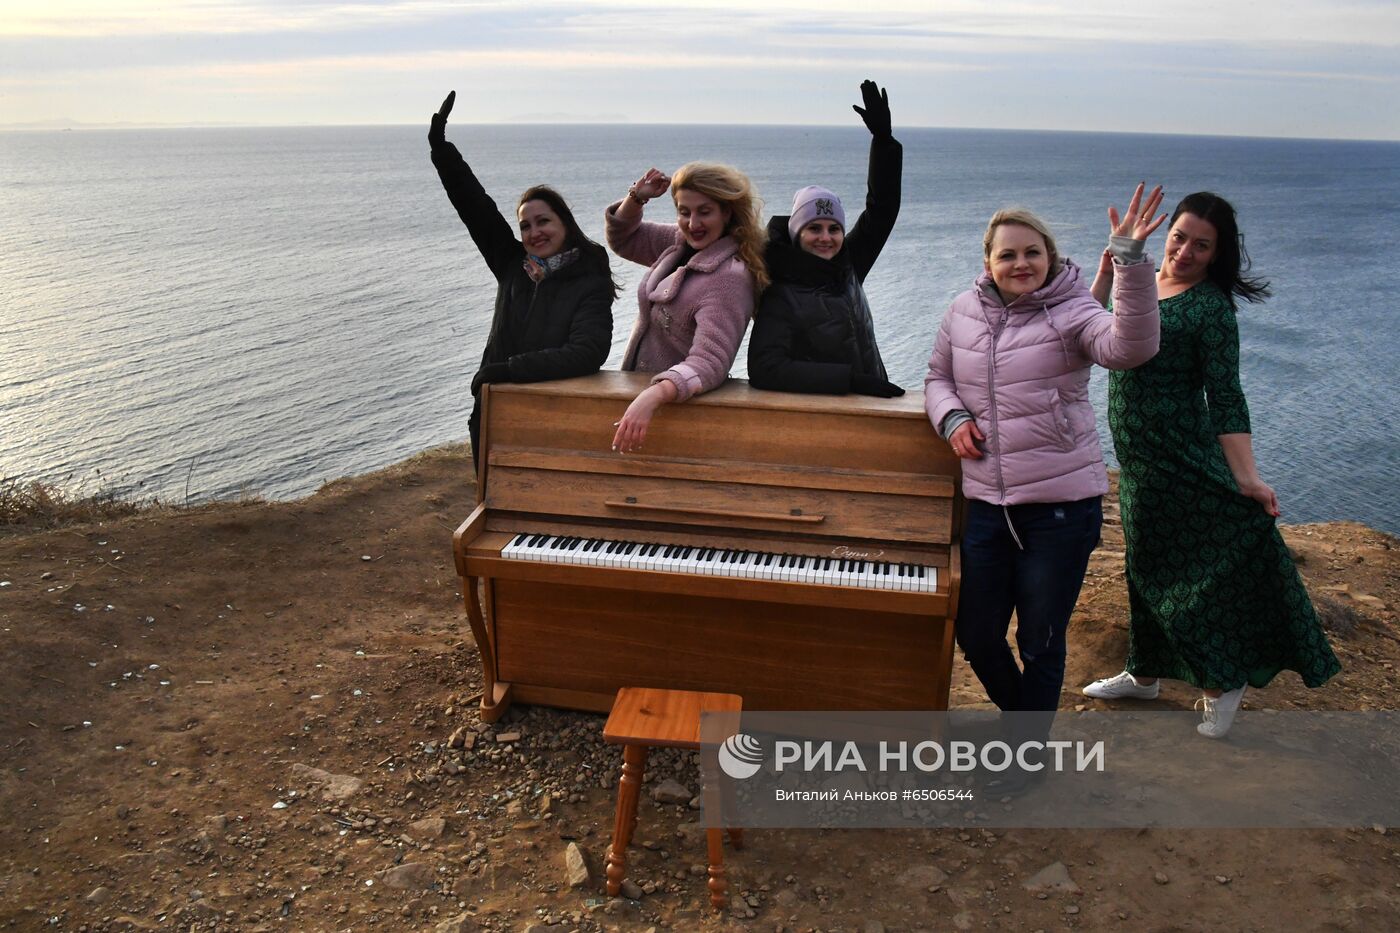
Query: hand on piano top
x=632 y=429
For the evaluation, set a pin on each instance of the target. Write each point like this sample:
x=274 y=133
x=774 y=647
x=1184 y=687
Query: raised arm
x=1130 y=335
x=868 y=235
x=628 y=235
x=1127 y=236
x=491 y=232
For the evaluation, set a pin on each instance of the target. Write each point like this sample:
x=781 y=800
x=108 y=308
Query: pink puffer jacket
x=1023 y=372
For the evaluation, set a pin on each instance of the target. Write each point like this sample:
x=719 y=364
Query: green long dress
x=1214 y=597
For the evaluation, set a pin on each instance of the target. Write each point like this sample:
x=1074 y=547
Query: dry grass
x=37 y=506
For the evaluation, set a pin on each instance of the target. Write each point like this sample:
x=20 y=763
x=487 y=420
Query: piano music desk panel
x=800 y=551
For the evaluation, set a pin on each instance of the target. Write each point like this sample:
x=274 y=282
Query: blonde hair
x=1021 y=218
x=731 y=188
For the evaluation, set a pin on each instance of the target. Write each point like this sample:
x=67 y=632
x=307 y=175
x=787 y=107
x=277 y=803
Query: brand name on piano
x=846 y=552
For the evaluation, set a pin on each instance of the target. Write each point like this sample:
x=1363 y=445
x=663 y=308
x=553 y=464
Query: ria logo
x=740 y=756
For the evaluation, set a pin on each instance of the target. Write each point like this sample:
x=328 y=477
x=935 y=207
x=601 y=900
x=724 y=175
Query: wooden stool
x=641 y=718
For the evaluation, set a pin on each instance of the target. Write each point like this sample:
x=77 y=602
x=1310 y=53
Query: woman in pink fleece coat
x=706 y=271
x=1007 y=386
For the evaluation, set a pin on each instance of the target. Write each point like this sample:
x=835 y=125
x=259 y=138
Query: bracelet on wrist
x=632 y=193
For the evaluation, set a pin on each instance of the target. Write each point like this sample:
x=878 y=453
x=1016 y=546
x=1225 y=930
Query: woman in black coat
x=813 y=331
x=554 y=289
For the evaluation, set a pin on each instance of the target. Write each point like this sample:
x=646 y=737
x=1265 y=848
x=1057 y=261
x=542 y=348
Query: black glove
x=863 y=384
x=876 y=112
x=437 y=132
x=491 y=372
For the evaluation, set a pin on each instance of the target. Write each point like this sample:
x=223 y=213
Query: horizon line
x=74 y=125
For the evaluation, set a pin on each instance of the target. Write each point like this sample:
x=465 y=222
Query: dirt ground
x=175 y=680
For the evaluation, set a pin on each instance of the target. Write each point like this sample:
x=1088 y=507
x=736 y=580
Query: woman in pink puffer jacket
x=1007 y=386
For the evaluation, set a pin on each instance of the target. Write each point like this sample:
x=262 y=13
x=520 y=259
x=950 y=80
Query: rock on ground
x=333 y=786
x=410 y=876
x=1053 y=877
x=578 y=867
x=671 y=791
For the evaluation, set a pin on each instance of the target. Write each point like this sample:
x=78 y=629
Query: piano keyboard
x=723 y=562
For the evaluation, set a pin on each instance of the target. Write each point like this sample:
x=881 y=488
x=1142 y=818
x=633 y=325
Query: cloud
x=955 y=62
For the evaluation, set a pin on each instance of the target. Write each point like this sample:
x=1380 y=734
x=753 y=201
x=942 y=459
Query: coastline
x=328 y=633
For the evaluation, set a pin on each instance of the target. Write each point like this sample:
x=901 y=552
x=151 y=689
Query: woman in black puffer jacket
x=555 y=289
x=813 y=330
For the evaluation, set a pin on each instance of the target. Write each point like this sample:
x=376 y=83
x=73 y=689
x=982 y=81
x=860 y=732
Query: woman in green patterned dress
x=1214 y=597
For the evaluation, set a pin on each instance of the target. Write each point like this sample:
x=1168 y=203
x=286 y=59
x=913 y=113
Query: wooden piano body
x=734 y=468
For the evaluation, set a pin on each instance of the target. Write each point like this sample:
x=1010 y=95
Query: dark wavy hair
x=590 y=252
x=1229 y=269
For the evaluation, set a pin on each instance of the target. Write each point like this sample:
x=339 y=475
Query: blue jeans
x=1039 y=578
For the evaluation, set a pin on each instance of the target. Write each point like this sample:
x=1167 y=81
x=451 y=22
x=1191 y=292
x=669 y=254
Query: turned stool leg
x=719 y=887
x=736 y=838
x=634 y=760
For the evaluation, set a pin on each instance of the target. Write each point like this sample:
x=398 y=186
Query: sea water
x=197 y=313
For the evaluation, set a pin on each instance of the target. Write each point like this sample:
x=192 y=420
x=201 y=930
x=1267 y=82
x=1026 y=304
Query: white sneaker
x=1122 y=685
x=1219 y=713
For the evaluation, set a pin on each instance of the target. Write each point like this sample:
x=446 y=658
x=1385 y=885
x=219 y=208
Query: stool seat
x=663 y=718
x=643 y=717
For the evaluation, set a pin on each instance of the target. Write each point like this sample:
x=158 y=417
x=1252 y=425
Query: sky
x=1309 y=68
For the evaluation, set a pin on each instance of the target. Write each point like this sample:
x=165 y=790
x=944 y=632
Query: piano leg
x=634 y=761
x=495 y=697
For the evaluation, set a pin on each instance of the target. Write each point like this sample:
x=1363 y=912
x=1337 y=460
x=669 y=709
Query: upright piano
x=798 y=550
